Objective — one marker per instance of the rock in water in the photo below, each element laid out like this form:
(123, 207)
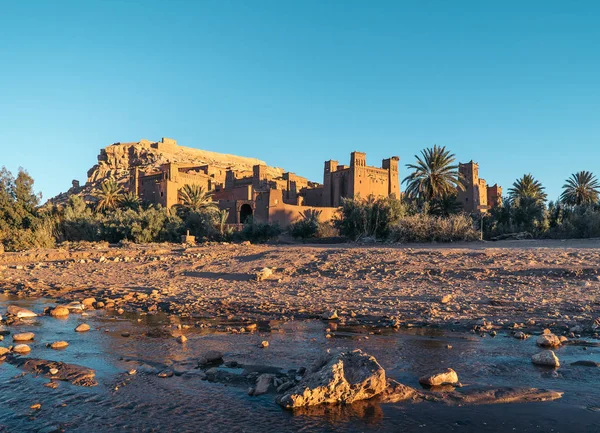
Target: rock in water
(396, 392)
(495, 396)
(23, 336)
(59, 345)
(4, 351)
(20, 312)
(88, 303)
(210, 357)
(584, 363)
(262, 384)
(73, 373)
(342, 377)
(21, 348)
(59, 312)
(548, 340)
(447, 377)
(84, 327)
(75, 306)
(546, 358)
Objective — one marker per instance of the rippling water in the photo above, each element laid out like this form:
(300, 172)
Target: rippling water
(183, 403)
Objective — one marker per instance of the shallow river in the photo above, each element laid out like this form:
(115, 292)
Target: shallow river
(184, 402)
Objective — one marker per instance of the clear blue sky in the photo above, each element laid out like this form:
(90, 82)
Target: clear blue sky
(513, 85)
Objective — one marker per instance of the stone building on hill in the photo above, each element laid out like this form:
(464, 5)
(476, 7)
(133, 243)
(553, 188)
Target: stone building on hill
(477, 196)
(263, 194)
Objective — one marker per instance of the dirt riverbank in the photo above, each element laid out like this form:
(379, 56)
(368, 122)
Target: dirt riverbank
(550, 283)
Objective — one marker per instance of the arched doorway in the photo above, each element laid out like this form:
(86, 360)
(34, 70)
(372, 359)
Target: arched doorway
(245, 212)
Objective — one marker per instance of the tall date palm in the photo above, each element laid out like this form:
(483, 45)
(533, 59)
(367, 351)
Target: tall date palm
(580, 189)
(527, 187)
(434, 176)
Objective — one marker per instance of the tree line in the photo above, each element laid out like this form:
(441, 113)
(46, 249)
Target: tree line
(435, 181)
(113, 215)
(429, 210)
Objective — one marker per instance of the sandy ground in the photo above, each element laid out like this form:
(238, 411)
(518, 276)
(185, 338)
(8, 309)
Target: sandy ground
(555, 283)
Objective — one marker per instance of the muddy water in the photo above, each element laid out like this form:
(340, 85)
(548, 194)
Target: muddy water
(184, 402)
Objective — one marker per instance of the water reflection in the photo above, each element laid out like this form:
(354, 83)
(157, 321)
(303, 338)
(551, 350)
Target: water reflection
(186, 403)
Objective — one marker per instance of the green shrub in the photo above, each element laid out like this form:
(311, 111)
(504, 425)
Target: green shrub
(259, 232)
(523, 215)
(201, 223)
(577, 222)
(368, 218)
(307, 226)
(428, 228)
(153, 224)
(77, 222)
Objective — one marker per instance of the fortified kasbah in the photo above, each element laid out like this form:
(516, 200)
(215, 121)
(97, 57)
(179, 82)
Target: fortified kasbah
(157, 170)
(264, 194)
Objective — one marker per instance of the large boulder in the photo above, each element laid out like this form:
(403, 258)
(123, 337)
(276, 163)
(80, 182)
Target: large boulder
(342, 377)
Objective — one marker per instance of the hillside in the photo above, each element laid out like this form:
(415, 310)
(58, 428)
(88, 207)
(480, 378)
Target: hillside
(117, 160)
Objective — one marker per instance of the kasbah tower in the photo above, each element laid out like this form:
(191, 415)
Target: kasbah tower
(359, 179)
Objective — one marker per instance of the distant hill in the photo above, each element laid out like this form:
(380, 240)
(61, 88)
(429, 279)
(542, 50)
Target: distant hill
(118, 159)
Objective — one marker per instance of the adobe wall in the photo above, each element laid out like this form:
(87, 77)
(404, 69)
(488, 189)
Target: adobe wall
(286, 214)
(494, 195)
(238, 193)
(368, 181)
(313, 196)
(271, 206)
(168, 145)
(482, 193)
(153, 188)
(233, 207)
(163, 187)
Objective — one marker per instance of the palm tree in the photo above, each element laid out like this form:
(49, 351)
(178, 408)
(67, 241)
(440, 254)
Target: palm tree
(435, 175)
(580, 189)
(130, 200)
(195, 198)
(527, 188)
(109, 195)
